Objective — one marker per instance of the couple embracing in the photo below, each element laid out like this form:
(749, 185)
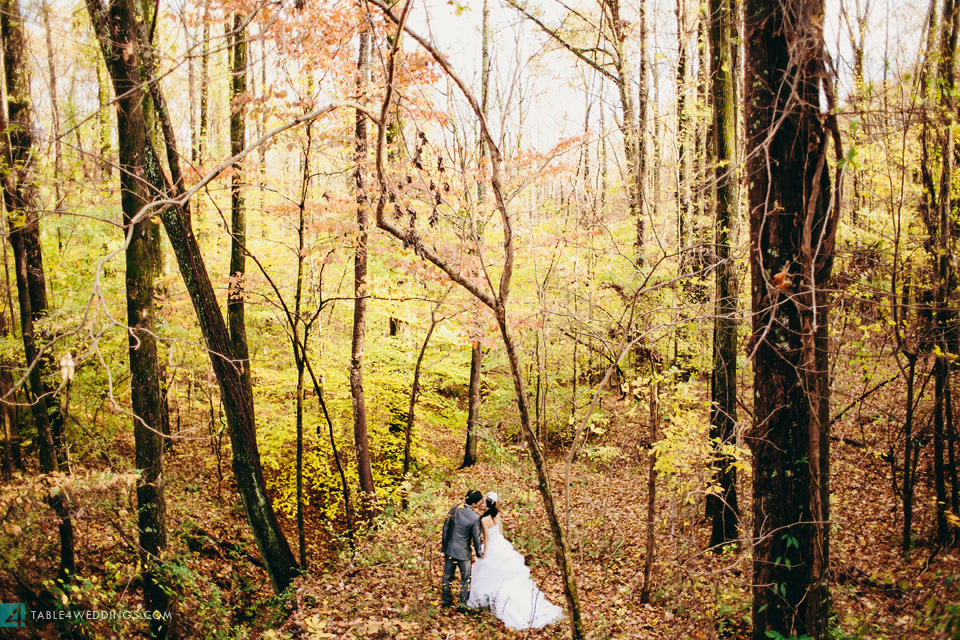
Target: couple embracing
(500, 578)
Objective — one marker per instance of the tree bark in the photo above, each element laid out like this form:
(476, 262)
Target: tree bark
(473, 407)
(683, 152)
(951, 436)
(199, 153)
(476, 349)
(944, 252)
(103, 123)
(141, 262)
(12, 455)
(909, 473)
(368, 491)
(54, 105)
(792, 232)
(650, 547)
(723, 507)
(236, 290)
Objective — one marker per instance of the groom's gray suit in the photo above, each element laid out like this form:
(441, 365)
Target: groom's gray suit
(461, 527)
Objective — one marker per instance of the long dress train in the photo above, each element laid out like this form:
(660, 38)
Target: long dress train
(501, 581)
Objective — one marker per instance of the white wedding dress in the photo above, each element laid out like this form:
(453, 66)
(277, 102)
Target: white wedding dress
(501, 581)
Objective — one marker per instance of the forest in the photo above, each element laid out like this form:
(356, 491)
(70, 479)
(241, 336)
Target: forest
(284, 281)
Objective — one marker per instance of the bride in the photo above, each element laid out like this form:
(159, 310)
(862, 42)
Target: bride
(501, 579)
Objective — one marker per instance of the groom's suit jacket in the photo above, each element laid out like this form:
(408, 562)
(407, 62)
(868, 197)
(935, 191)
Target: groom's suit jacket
(460, 528)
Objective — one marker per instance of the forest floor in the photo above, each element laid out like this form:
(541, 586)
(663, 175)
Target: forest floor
(389, 586)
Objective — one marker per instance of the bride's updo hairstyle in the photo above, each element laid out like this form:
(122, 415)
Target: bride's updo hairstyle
(492, 501)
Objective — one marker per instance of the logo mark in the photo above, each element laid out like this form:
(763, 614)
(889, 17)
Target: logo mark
(13, 614)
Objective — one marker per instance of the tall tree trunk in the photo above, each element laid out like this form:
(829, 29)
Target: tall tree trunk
(473, 407)
(704, 184)
(650, 549)
(103, 122)
(199, 153)
(476, 349)
(643, 205)
(300, 358)
(54, 106)
(944, 246)
(141, 263)
(723, 507)
(261, 128)
(951, 448)
(792, 231)
(235, 393)
(909, 470)
(632, 139)
(12, 455)
(236, 291)
(9, 401)
(20, 200)
(368, 495)
(191, 43)
(683, 153)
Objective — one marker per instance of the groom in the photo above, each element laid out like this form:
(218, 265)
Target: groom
(460, 528)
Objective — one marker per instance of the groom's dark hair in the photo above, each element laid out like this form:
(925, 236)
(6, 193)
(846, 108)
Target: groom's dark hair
(473, 497)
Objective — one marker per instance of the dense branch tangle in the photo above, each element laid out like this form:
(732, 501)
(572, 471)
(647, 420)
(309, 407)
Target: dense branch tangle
(609, 57)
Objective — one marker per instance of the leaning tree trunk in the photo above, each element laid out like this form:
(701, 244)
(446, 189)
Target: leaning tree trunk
(236, 394)
(20, 199)
(415, 392)
(722, 507)
(792, 234)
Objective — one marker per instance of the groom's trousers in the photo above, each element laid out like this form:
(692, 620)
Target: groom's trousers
(465, 567)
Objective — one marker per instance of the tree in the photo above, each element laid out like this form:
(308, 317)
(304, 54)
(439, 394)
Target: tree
(476, 348)
(937, 213)
(684, 122)
(238, 218)
(368, 492)
(142, 261)
(723, 507)
(792, 237)
(200, 151)
(54, 101)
